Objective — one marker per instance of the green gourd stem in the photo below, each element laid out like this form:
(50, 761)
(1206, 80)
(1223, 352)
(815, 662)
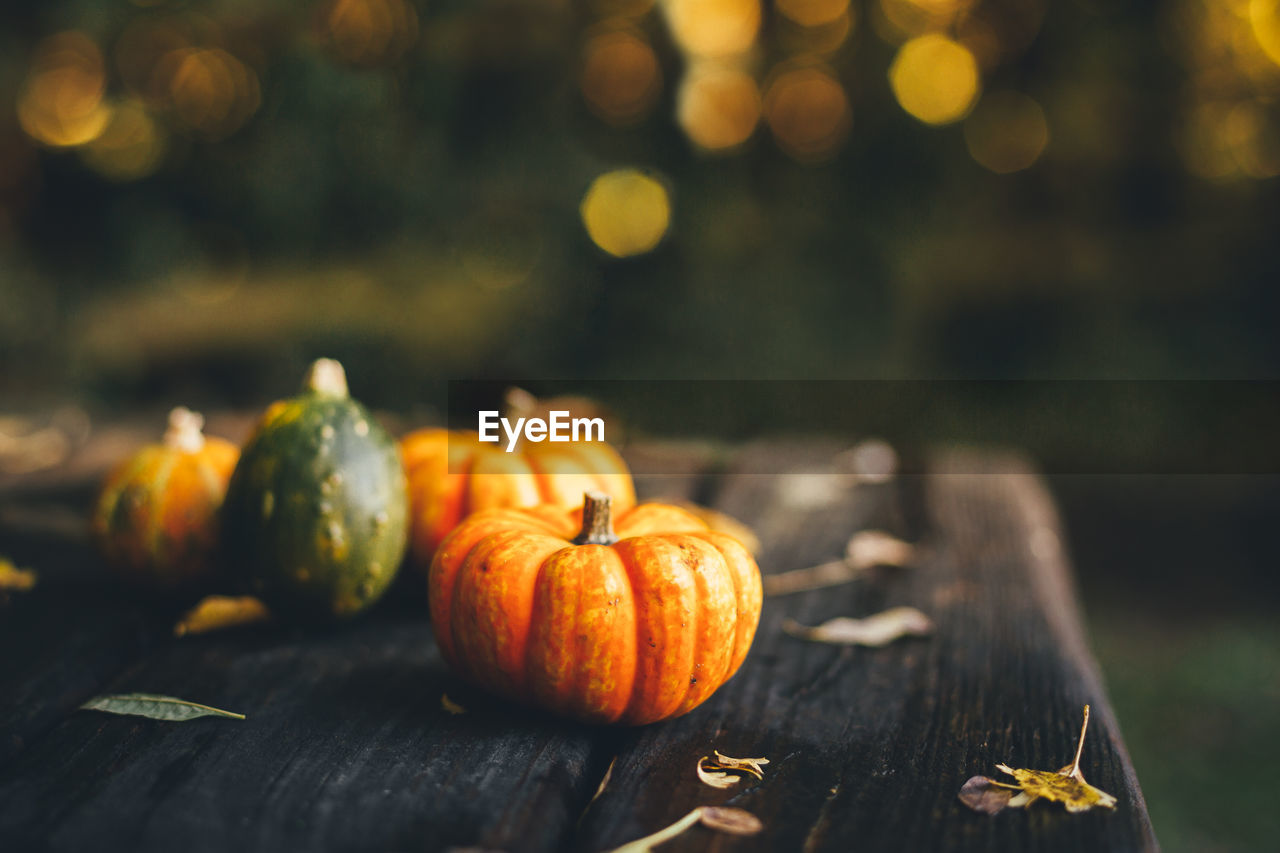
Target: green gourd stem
(184, 431)
(326, 378)
(597, 520)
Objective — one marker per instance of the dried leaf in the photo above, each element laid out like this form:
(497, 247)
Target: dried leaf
(716, 778)
(1066, 786)
(747, 765)
(155, 707)
(731, 820)
(721, 818)
(725, 523)
(864, 550)
(986, 795)
(14, 579)
(451, 706)
(216, 612)
(878, 630)
(868, 548)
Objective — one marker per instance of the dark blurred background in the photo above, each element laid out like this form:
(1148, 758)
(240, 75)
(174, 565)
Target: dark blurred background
(196, 198)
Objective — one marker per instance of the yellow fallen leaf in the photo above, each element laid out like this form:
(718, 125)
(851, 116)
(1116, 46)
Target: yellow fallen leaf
(216, 612)
(451, 706)
(14, 579)
(1066, 786)
(878, 630)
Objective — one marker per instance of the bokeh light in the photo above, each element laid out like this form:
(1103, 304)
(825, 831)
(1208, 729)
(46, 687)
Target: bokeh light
(61, 103)
(819, 39)
(131, 146)
(808, 113)
(714, 28)
(626, 212)
(1006, 132)
(1264, 18)
(812, 13)
(718, 106)
(620, 78)
(900, 19)
(140, 52)
(935, 79)
(369, 33)
(211, 92)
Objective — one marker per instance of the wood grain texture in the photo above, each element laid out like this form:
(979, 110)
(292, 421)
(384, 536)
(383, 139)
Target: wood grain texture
(347, 747)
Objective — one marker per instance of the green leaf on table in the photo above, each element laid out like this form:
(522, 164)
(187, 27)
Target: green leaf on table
(155, 707)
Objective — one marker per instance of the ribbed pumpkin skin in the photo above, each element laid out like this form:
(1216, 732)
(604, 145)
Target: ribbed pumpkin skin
(484, 476)
(316, 516)
(630, 633)
(155, 521)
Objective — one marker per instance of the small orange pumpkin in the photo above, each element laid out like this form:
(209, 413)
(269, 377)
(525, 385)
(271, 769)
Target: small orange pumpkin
(628, 627)
(453, 474)
(155, 521)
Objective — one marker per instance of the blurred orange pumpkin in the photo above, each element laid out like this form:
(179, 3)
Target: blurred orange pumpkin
(453, 474)
(628, 627)
(155, 521)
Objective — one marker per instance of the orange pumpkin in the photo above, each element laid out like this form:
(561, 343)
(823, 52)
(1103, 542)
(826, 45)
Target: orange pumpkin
(155, 521)
(628, 627)
(453, 474)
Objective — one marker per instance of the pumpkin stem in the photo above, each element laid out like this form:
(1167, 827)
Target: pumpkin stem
(326, 378)
(184, 430)
(597, 520)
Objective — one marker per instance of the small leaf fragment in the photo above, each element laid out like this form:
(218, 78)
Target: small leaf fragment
(14, 579)
(712, 771)
(217, 612)
(864, 550)
(721, 818)
(986, 795)
(873, 631)
(155, 707)
(868, 548)
(716, 778)
(451, 706)
(731, 820)
(747, 765)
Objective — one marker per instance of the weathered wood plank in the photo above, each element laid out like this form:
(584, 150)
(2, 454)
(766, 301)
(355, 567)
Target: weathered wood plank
(870, 747)
(347, 746)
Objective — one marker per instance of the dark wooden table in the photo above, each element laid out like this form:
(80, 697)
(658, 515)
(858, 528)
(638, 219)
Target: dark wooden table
(347, 746)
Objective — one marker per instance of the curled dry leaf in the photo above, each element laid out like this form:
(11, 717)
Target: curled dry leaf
(451, 706)
(217, 612)
(864, 550)
(155, 707)
(878, 630)
(747, 765)
(1066, 786)
(14, 579)
(716, 778)
(720, 818)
